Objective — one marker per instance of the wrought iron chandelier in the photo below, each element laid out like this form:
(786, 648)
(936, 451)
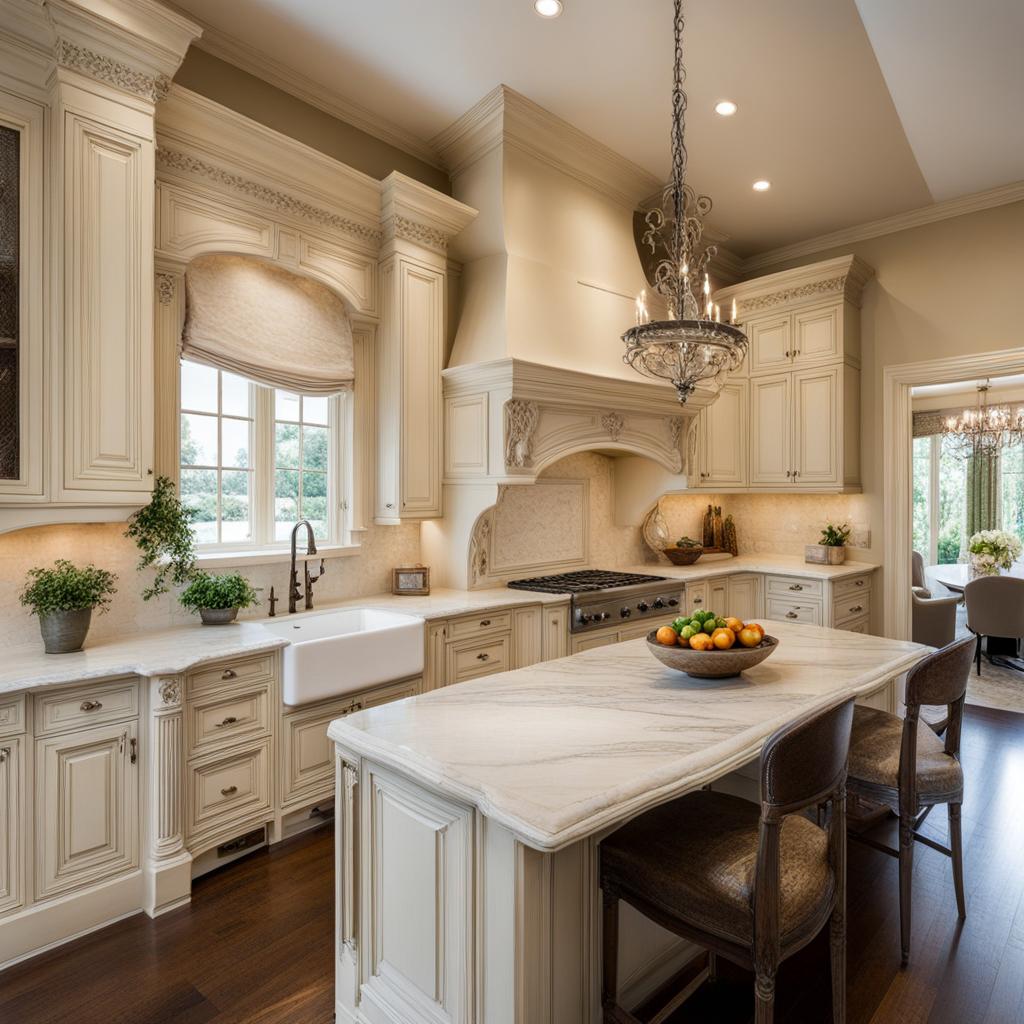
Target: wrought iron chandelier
(693, 344)
(986, 429)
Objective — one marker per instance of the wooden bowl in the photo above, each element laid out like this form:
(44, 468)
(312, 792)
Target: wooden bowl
(711, 664)
(683, 556)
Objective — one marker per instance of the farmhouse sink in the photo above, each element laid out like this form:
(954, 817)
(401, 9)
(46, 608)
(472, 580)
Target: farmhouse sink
(333, 653)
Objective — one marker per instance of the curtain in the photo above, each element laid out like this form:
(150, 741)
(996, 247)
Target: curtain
(982, 493)
(267, 324)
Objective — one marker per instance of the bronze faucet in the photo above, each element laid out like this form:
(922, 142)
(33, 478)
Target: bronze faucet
(294, 594)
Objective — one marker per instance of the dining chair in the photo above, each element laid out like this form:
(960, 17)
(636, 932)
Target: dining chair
(995, 607)
(917, 577)
(902, 764)
(933, 619)
(753, 883)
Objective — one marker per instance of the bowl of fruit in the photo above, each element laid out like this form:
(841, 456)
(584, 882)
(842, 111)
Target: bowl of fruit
(708, 646)
(686, 552)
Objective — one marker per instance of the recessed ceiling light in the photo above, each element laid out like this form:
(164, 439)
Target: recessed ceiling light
(548, 8)
(726, 108)
(761, 185)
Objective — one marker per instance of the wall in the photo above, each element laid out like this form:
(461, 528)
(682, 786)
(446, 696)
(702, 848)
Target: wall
(224, 83)
(104, 544)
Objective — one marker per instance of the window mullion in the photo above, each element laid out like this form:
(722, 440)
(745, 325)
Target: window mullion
(263, 465)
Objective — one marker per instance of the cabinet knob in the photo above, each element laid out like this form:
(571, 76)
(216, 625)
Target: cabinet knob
(485, 622)
(787, 353)
(230, 720)
(5, 752)
(229, 791)
(229, 673)
(857, 608)
(859, 583)
(90, 705)
(390, 504)
(483, 656)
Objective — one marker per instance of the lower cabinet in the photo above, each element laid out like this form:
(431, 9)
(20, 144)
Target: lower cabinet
(87, 818)
(12, 817)
(227, 791)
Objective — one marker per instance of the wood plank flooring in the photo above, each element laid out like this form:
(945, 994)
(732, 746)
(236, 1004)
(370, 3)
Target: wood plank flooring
(255, 946)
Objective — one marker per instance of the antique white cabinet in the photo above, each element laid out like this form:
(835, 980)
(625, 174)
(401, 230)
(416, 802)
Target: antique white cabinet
(723, 430)
(12, 805)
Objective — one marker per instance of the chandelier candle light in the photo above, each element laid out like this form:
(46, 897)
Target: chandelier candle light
(693, 344)
(986, 429)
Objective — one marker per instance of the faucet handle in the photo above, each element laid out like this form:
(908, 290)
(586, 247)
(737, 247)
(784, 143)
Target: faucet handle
(273, 603)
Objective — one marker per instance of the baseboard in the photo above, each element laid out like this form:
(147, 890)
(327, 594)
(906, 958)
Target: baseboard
(645, 981)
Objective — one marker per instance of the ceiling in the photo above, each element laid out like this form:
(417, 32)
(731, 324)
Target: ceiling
(1012, 382)
(816, 115)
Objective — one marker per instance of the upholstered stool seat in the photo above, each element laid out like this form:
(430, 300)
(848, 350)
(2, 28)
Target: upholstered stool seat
(695, 857)
(875, 745)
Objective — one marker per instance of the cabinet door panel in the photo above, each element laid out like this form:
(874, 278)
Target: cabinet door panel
(744, 597)
(86, 807)
(770, 344)
(771, 430)
(724, 438)
(12, 819)
(555, 635)
(817, 336)
(816, 417)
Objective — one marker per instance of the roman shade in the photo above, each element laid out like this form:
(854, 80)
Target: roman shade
(265, 323)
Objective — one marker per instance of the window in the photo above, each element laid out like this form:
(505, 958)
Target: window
(254, 460)
(1012, 489)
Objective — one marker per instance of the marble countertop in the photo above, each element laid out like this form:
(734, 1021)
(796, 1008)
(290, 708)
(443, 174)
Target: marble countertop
(566, 748)
(776, 565)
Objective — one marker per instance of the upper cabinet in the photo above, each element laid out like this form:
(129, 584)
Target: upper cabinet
(795, 424)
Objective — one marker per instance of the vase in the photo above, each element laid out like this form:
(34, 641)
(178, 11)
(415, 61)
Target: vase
(64, 632)
(217, 616)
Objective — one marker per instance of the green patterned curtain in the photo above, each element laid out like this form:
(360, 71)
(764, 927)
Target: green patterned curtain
(982, 493)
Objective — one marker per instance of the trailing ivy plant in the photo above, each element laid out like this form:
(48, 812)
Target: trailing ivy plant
(162, 530)
(209, 591)
(835, 536)
(67, 588)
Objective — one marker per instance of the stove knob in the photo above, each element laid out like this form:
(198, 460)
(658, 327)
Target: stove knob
(658, 603)
(643, 606)
(601, 616)
(672, 602)
(625, 612)
(584, 618)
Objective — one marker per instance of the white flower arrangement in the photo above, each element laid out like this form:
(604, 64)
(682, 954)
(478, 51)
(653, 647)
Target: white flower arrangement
(992, 550)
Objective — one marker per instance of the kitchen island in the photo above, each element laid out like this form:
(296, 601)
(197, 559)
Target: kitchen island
(468, 819)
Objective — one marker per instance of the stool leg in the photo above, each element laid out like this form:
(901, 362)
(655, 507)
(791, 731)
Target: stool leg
(712, 966)
(610, 959)
(957, 847)
(764, 995)
(837, 953)
(906, 876)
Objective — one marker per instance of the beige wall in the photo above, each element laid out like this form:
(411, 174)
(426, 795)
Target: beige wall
(939, 290)
(238, 90)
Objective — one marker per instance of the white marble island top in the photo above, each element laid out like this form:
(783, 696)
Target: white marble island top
(772, 565)
(566, 748)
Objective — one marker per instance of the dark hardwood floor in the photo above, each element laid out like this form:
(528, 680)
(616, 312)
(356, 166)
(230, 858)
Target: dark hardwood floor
(254, 946)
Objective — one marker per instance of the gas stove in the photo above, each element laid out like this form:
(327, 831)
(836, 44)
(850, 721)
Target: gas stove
(601, 598)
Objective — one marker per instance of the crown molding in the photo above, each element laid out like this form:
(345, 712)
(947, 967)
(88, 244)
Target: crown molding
(843, 276)
(977, 201)
(286, 78)
(417, 213)
(505, 116)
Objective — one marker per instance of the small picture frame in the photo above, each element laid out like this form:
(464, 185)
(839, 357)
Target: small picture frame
(412, 581)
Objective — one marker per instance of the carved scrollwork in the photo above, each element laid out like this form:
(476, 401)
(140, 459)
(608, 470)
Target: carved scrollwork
(833, 286)
(613, 423)
(113, 72)
(674, 426)
(165, 285)
(480, 548)
(422, 234)
(521, 418)
(170, 692)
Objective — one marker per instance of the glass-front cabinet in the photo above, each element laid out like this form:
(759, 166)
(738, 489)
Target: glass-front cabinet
(10, 208)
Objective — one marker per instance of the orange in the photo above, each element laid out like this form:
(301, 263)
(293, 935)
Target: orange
(734, 624)
(667, 636)
(723, 638)
(700, 642)
(757, 626)
(749, 636)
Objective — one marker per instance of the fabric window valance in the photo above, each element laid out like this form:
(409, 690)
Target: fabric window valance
(930, 422)
(265, 323)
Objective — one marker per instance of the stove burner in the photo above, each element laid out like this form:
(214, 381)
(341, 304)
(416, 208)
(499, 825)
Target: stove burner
(584, 581)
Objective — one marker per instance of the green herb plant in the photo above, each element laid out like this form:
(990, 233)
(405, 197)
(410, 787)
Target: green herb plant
(67, 588)
(835, 536)
(209, 591)
(687, 542)
(162, 530)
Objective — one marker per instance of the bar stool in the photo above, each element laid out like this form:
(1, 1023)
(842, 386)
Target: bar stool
(751, 883)
(903, 765)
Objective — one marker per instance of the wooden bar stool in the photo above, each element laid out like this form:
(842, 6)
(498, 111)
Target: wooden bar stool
(751, 883)
(904, 765)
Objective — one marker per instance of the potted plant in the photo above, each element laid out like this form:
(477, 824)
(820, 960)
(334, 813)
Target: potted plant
(63, 597)
(217, 598)
(992, 551)
(831, 549)
(162, 530)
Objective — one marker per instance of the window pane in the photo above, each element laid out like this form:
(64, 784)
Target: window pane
(198, 440)
(234, 395)
(314, 448)
(952, 502)
(286, 406)
(235, 524)
(922, 495)
(286, 502)
(314, 502)
(235, 443)
(286, 446)
(1013, 490)
(198, 387)
(199, 491)
(314, 410)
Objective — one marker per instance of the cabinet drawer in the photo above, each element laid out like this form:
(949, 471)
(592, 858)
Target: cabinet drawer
(853, 606)
(851, 585)
(234, 671)
(227, 789)
(588, 643)
(695, 598)
(86, 706)
(479, 625)
(12, 715)
(808, 612)
(219, 721)
(470, 659)
(856, 625)
(794, 587)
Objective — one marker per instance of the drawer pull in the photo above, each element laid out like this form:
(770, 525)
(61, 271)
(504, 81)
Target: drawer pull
(230, 720)
(229, 791)
(229, 673)
(796, 586)
(133, 747)
(5, 752)
(857, 608)
(697, 600)
(792, 615)
(484, 622)
(483, 656)
(858, 583)
(90, 705)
